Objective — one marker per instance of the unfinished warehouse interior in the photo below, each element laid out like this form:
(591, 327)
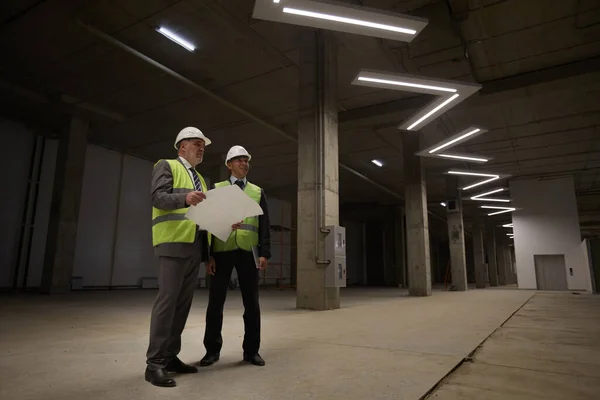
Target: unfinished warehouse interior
(300, 199)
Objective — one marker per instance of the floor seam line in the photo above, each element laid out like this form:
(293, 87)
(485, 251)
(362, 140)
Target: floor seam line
(469, 357)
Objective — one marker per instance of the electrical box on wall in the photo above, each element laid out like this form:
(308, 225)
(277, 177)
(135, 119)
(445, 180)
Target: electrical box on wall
(335, 252)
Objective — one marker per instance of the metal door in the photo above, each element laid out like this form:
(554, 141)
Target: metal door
(550, 272)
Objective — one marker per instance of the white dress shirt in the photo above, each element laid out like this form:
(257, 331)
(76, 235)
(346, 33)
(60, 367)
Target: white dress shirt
(187, 166)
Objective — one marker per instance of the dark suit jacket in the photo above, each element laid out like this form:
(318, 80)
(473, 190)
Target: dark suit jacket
(163, 198)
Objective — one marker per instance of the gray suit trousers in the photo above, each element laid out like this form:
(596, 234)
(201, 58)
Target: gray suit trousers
(177, 279)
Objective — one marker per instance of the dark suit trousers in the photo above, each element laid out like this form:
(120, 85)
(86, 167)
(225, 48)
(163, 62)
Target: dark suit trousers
(177, 279)
(243, 261)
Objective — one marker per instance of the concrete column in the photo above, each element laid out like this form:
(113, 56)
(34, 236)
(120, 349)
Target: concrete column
(417, 224)
(456, 236)
(399, 248)
(479, 255)
(492, 257)
(318, 181)
(64, 215)
(502, 262)
(510, 278)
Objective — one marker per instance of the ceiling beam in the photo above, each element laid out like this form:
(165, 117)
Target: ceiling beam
(261, 121)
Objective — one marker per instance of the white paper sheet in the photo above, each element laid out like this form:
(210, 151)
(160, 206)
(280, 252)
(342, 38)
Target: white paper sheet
(222, 208)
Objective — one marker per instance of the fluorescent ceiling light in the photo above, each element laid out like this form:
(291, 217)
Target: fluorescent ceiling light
(436, 109)
(491, 177)
(470, 173)
(341, 17)
(458, 139)
(377, 162)
(449, 93)
(481, 197)
(328, 17)
(177, 39)
(452, 141)
(481, 183)
(443, 204)
(510, 234)
(492, 199)
(463, 157)
(503, 209)
(407, 84)
(507, 225)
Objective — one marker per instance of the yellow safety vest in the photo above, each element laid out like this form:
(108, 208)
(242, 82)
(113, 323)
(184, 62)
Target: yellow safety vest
(173, 226)
(247, 235)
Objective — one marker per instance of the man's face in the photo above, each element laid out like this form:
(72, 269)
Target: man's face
(192, 150)
(239, 167)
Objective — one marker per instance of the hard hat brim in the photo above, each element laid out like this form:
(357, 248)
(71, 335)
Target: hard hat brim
(206, 140)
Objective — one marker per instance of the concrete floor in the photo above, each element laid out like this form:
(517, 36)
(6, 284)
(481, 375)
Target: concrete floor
(380, 345)
(550, 349)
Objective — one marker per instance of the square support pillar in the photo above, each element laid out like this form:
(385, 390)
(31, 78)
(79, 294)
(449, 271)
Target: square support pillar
(417, 224)
(456, 238)
(64, 217)
(502, 262)
(399, 247)
(491, 255)
(318, 170)
(479, 255)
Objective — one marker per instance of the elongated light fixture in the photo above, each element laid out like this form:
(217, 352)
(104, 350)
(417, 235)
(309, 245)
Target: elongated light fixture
(430, 113)
(466, 158)
(175, 38)
(481, 197)
(503, 209)
(458, 139)
(491, 177)
(377, 162)
(351, 21)
(507, 225)
(406, 84)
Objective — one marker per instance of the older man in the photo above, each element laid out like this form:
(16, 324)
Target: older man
(180, 247)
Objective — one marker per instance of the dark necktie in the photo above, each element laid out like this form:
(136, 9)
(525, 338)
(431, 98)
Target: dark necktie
(240, 183)
(197, 184)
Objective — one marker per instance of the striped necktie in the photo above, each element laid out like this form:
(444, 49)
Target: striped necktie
(197, 184)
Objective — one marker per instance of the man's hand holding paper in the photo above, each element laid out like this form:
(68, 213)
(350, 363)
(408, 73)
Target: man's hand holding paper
(222, 209)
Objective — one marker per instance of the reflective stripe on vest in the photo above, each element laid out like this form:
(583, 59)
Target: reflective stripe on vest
(246, 236)
(172, 226)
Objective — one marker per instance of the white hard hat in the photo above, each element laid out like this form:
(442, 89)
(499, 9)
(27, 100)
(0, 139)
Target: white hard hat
(237, 151)
(191, 133)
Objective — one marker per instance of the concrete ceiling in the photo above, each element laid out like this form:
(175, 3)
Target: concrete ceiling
(538, 62)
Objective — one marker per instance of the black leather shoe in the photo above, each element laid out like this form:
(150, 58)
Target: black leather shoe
(254, 359)
(209, 359)
(159, 378)
(179, 367)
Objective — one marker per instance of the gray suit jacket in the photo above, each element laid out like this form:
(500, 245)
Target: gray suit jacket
(164, 198)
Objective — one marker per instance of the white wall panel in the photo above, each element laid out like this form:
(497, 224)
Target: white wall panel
(134, 255)
(42, 214)
(15, 158)
(97, 216)
(546, 223)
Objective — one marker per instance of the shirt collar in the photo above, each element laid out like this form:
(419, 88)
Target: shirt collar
(185, 162)
(232, 179)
